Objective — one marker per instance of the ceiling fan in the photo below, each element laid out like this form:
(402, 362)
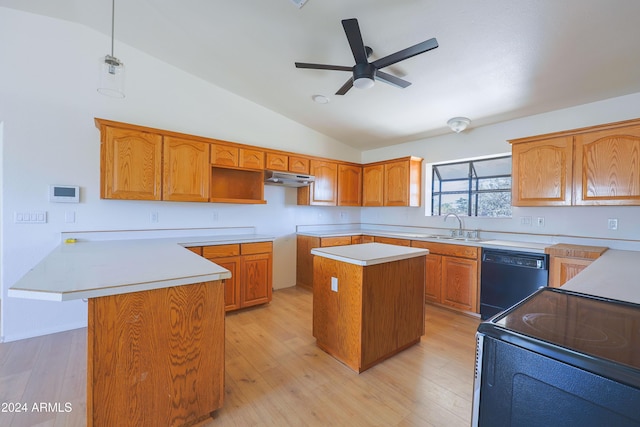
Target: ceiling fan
(365, 72)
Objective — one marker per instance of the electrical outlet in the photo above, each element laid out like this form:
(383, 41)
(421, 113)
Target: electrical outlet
(343, 215)
(215, 216)
(612, 223)
(540, 221)
(70, 217)
(334, 284)
(153, 217)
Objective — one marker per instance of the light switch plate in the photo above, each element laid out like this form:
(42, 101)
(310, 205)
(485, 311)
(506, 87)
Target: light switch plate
(334, 284)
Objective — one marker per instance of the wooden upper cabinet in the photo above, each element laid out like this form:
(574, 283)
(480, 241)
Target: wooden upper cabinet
(607, 167)
(276, 162)
(373, 185)
(251, 159)
(224, 155)
(323, 191)
(186, 170)
(541, 172)
(402, 182)
(299, 164)
(349, 185)
(598, 165)
(130, 164)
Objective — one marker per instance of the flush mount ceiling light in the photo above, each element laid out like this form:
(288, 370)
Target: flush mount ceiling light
(111, 68)
(458, 124)
(320, 99)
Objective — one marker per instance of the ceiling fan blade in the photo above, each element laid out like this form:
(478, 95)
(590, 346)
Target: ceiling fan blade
(392, 80)
(323, 66)
(406, 53)
(352, 30)
(345, 87)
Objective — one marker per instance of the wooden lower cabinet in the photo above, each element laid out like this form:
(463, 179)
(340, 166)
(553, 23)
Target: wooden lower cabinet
(566, 261)
(304, 259)
(251, 267)
(452, 275)
(156, 358)
(460, 283)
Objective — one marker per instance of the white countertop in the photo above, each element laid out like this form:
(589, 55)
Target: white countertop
(369, 253)
(89, 269)
(615, 274)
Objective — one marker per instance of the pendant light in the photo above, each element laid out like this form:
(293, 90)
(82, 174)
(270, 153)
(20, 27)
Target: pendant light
(111, 68)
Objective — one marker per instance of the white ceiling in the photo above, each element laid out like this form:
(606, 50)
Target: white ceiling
(497, 60)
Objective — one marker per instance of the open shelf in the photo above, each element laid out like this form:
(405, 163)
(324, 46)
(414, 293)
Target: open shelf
(233, 185)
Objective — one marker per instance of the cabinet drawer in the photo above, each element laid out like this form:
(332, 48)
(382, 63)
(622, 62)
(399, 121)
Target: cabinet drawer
(256, 248)
(196, 250)
(335, 241)
(460, 251)
(221, 251)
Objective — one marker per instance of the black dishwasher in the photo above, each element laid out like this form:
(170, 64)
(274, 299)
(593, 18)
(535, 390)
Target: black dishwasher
(507, 277)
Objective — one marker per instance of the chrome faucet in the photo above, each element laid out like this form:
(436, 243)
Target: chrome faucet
(460, 232)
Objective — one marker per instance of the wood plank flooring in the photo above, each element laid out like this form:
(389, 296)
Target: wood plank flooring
(275, 374)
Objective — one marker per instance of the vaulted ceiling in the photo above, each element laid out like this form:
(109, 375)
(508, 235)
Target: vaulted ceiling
(497, 59)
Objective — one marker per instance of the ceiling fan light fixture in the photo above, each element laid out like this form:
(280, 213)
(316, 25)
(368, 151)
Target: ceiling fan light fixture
(364, 75)
(363, 83)
(458, 124)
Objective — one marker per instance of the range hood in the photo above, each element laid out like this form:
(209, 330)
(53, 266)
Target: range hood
(287, 179)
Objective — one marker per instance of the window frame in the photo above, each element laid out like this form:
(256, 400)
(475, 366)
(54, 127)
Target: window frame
(471, 192)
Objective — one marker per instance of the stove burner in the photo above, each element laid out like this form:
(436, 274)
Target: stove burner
(568, 330)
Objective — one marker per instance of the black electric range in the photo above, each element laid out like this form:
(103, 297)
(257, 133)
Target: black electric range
(559, 358)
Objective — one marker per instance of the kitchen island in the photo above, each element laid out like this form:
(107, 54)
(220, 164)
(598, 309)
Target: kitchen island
(155, 351)
(368, 301)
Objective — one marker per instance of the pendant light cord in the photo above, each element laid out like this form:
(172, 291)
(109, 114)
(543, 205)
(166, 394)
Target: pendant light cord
(113, 20)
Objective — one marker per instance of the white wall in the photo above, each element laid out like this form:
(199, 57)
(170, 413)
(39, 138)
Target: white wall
(48, 101)
(482, 141)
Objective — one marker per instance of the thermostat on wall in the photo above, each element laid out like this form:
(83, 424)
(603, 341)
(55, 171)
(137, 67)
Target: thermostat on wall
(64, 193)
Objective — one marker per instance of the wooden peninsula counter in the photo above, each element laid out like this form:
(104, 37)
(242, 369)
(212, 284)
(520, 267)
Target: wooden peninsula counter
(155, 352)
(368, 301)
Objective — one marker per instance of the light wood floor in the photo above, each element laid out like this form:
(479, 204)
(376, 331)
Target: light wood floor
(275, 374)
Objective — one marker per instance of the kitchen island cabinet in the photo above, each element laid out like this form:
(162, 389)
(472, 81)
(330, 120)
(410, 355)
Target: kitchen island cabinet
(566, 261)
(368, 301)
(155, 330)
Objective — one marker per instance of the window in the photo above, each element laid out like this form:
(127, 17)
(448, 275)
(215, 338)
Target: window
(474, 188)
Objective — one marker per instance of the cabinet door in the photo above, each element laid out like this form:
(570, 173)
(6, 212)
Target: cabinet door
(392, 241)
(323, 191)
(541, 172)
(433, 280)
(299, 164)
(231, 285)
(224, 155)
(131, 164)
(186, 166)
(349, 185)
(277, 162)
(326, 242)
(255, 280)
(251, 159)
(373, 185)
(396, 183)
(460, 283)
(563, 269)
(607, 167)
